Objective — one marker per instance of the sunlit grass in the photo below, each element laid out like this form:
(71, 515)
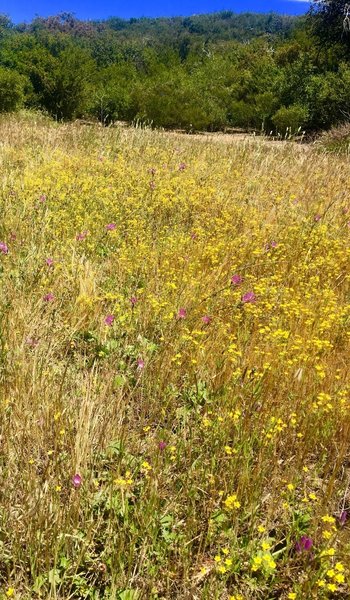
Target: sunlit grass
(174, 366)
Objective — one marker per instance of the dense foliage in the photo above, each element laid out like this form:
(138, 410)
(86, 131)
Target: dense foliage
(213, 71)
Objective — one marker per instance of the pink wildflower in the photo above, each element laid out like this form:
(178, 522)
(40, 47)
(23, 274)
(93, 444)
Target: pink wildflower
(109, 320)
(304, 544)
(206, 319)
(4, 248)
(273, 244)
(236, 279)
(249, 297)
(111, 227)
(77, 480)
(343, 517)
(48, 297)
(32, 342)
(49, 262)
(81, 236)
(182, 313)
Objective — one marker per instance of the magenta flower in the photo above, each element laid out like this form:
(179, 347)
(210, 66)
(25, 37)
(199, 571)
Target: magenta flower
(236, 279)
(32, 342)
(42, 198)
(48, 297)
(304, 545)
(49, 262)
(162, 445)
(133, 301)
(111, 227)
(4, 248)
(343, 517)
(81, 236)
(194, 235)
(206, 319)
(273, 244)
(140, 364)
(182, 166)
(77, 480)
(249, 297)
(109, 320)
(182, 313)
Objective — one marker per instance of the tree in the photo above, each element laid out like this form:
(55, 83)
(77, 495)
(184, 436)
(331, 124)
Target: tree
(330, 22)
(290, 119)
(12, 87)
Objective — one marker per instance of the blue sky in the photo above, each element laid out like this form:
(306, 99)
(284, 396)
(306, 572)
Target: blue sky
(25, 10)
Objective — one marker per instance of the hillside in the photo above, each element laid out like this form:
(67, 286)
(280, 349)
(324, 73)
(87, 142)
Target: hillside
(174, 393)
(266, 73)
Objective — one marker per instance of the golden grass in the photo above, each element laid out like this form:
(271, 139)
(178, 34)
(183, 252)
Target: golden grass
(206, 421)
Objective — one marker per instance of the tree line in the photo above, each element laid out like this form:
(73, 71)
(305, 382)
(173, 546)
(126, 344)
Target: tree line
(207, 72)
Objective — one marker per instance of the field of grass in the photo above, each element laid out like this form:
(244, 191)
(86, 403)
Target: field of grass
(174, 357)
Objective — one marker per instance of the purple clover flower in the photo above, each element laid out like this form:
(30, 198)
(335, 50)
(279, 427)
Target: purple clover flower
(249, 298)
(4, 248)
(81, 236)
(111, 227)
(236, 279)
(206, 319)
(48, 297)
(32, 342)
(109, 320)
(182, 313)
(304, 544)
(343, 517)
(77, 480)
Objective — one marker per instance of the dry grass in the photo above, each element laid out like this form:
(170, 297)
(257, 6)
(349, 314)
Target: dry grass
(210, 454)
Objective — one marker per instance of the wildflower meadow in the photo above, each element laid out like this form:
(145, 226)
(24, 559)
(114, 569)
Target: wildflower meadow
(174, 361)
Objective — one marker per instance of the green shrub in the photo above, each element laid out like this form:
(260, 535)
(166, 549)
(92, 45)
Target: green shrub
(290, 119)
(11, 90)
